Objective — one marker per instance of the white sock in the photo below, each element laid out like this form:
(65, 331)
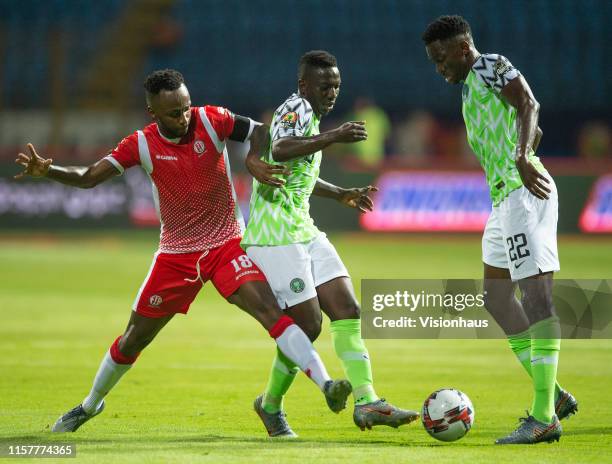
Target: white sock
(294, 343)
(107, 377)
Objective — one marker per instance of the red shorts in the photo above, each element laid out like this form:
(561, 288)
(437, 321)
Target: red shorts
(174, 280)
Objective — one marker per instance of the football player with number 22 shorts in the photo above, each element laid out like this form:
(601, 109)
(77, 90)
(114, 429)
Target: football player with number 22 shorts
(519, 244)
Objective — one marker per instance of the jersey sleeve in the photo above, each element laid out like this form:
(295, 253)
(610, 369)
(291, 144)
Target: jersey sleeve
(495, 71)
(222, 120)
(243, 128)
(292, 119)
(125, 155)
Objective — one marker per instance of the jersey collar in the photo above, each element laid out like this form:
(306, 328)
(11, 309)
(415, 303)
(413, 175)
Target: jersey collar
(174, 141)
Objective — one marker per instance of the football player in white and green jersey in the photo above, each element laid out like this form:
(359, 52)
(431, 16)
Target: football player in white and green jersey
(303, 268)
(520, 239)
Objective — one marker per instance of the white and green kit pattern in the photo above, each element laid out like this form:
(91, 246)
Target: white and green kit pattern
(491, 124)
(281, 215)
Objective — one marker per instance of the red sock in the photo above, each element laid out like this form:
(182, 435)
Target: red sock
(118, 356)
(280, 326)
(294, 344)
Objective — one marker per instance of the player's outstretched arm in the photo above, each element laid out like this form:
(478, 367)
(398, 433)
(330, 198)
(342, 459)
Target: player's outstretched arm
(352, 197)
(287, 148)
(519, 95)
(264, 172)
(76, 176)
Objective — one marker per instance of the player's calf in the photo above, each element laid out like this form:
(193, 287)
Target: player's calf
(310, 325)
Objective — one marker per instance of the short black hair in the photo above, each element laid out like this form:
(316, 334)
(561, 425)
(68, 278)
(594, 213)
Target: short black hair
(446, 27)
(163, 79)
(316, 59)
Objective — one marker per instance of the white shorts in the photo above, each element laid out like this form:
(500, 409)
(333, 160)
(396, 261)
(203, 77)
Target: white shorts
(521, 234)
(295, 271)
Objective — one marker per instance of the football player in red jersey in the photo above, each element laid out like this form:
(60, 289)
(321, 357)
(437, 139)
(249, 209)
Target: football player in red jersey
(183, 152)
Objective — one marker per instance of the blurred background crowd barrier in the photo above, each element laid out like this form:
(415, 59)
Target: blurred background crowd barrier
(71, 76)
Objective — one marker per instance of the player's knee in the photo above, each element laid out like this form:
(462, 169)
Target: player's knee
(312, 329)
(354, 310)
(267, 313)
(349, 310)
(345, 310)
(127, 347)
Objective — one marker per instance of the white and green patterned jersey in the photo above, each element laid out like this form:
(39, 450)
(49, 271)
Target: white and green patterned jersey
(490, 122)
(281, 215)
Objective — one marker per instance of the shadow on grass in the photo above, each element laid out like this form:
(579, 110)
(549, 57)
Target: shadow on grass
(323, 442)
(586, 431)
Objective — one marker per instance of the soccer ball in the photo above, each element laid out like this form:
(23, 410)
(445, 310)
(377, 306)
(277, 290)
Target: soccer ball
(447, 414)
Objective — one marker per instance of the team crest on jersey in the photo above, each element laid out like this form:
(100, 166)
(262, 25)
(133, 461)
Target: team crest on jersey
(501, 67)
(199, 147)
(289, 120)
(155, 300)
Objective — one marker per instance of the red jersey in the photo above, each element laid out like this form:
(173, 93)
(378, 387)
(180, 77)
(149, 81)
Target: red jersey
(191, 180)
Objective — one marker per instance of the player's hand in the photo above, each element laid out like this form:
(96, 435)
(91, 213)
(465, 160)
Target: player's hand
(533, 180)
(358, 198)
(350, 132)
(265, 172)
(33, 164)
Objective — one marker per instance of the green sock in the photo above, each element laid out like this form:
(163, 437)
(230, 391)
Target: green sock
(521, 346)
(545, 346)
(281, 377)
(346, 337)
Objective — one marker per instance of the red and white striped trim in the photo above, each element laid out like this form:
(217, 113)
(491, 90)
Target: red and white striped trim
(146, 280)
(219, 145)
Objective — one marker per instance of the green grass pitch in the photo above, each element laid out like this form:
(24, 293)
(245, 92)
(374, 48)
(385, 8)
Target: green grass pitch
(189, 397)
